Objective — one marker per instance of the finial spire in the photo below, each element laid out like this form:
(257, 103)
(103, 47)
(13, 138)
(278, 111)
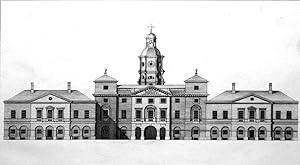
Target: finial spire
(151, 26)
(105, 71)
(196, 73)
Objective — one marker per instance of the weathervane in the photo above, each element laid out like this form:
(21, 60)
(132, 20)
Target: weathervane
(196, 72)
(105, 71)
(151, 26)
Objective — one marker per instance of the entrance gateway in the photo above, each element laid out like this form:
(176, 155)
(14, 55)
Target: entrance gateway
(150, 133)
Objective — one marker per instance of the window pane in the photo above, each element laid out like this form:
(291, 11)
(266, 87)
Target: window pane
(251, 114)
(225, 114)
(262, 114)
(177, 100)
(138, 114)
(39, 114)
(196, 114)
(23, 114)
(241, 115)
(123, 115)
(49, 114)
(124, 100)
(13, 114)
(177, 114)
(60, 114)
(75, 114)
(278, 114)
(288, 114)
(163, 114)
(105, 114)
(215, 115)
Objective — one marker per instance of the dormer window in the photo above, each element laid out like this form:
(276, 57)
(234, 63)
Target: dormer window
(105, 87)
(196, 87)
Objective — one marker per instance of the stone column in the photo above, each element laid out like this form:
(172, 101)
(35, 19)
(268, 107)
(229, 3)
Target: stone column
(167, 134)
(132, 137)
(157, 134)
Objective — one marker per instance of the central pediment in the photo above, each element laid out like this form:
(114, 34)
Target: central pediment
(151, 91)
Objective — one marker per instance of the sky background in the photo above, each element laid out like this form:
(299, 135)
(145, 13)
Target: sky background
(249, 43)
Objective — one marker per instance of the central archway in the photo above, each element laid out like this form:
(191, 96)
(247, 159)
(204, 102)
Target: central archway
(150, 133)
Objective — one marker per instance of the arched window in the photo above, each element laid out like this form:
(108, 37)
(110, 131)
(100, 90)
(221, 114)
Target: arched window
(23, 133)
(214, 133)
(12, 132)
(123, 133)
(225, 133)
(39, 133)
(277, 133)
(176, 133)
(150, 113)
(195, 133)
(195, 113)
(49, 133)
(240, 133)
(75, 132)
(86, 132)
(60, 132)
(288, 133)
(251, 133)
(262, 133)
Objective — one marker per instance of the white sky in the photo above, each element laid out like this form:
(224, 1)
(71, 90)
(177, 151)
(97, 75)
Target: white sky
(51, 43)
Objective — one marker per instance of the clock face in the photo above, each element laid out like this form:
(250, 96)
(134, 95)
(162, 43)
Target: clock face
(151, 63)
(150, 41)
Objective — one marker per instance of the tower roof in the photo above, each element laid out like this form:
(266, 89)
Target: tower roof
(151, 52)
(105, 78)
(196, 79)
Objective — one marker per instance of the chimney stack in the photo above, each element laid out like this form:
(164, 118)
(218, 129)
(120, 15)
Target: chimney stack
(69, 87)
(233, 88)
(270, 88)
(32, 87)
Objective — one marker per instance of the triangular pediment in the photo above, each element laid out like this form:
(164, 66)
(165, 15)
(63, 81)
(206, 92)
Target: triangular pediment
(50, 98)
(252, 98)
(151, 91)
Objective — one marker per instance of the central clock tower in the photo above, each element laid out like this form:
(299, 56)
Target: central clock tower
(151, 65)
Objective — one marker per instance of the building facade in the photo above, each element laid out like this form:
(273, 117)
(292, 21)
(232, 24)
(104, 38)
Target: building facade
(152, 110)
(49, 114)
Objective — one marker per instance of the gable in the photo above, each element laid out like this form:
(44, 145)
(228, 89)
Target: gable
(252, 99)
(50, 98)
(151, 91)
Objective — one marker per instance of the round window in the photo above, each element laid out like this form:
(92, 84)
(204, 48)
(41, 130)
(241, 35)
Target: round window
(50, 98)
(251, 98)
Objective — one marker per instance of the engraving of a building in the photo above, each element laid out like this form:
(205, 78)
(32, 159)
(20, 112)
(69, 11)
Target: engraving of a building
(152, 109)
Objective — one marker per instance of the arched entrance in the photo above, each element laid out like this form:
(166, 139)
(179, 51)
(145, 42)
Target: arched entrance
(162, 133)
(150, 133)
(138, 133)
(105, 132)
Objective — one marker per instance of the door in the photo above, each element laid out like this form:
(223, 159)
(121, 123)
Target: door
(49, 134)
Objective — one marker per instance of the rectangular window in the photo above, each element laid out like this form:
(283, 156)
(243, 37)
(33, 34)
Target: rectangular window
(225, 114)
(124, 100)
(86, 114)
(278, 114)
(288, 115)
(75, 114)
(150, 115)
(105, 100)
(105, 87)
(215, 114)
(150, 101)
(262, 115)
(262, 132)
(39, 114)
(23, 115)
(12, 131)
(196, 87)
(13, 114)
(196, 114)
(163, 101)
(241, 115)
(163, 115)
(240, 132)
(139, 101)
(251, 115)
(196, 100)
(138, 114)
(176, 131)
(214, 132)
(123, 114)
(177, 114)
(105, 114)
(49, 115)
(23, 131)
(177, 100)
(75, 131)
(225, 132)
(60, 114)
(86, 131)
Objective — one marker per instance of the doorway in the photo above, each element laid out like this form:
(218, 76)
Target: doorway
(150, 133)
